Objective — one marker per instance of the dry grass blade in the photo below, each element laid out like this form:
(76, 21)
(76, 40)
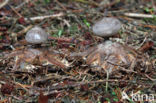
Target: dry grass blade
(4, 3)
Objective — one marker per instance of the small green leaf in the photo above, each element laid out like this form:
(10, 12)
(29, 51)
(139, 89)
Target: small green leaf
(108, 99)
(0, 37)
(60, 32)
(113, 93)
(47, 1)
(86, 23)
(55, 35)
(115, 99)
(147, 9)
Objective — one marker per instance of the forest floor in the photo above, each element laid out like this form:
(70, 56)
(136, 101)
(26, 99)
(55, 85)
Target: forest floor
(69, 25)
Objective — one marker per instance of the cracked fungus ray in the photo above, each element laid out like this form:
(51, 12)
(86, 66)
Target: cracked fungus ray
(31, 55)
(110, 56)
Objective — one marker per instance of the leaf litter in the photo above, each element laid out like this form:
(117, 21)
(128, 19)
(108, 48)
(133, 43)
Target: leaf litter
(72, 64)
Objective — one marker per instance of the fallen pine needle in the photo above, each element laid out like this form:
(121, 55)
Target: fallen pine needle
(138, 15)
(44, 17)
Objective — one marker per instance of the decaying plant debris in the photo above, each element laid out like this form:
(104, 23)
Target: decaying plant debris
(71, 64)
(30, 55)
(110, 56)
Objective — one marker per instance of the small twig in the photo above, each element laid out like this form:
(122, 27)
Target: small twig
(17, 98)
(60, 5)
(150, 77)
(23, 86)
(139, 15)
(65, 21)
(44, 17)
(142, 43)
(149, 26)
(67, 40)
(107, 81)
(77, 84)
(121, 67)
(4, 3)
(23, 31)
(53, 76)
(88, 2)
(2, 82)
(15, 11)
(23, 3)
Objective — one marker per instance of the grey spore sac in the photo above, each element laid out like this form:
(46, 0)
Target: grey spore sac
(106, 27)
(36, 35)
